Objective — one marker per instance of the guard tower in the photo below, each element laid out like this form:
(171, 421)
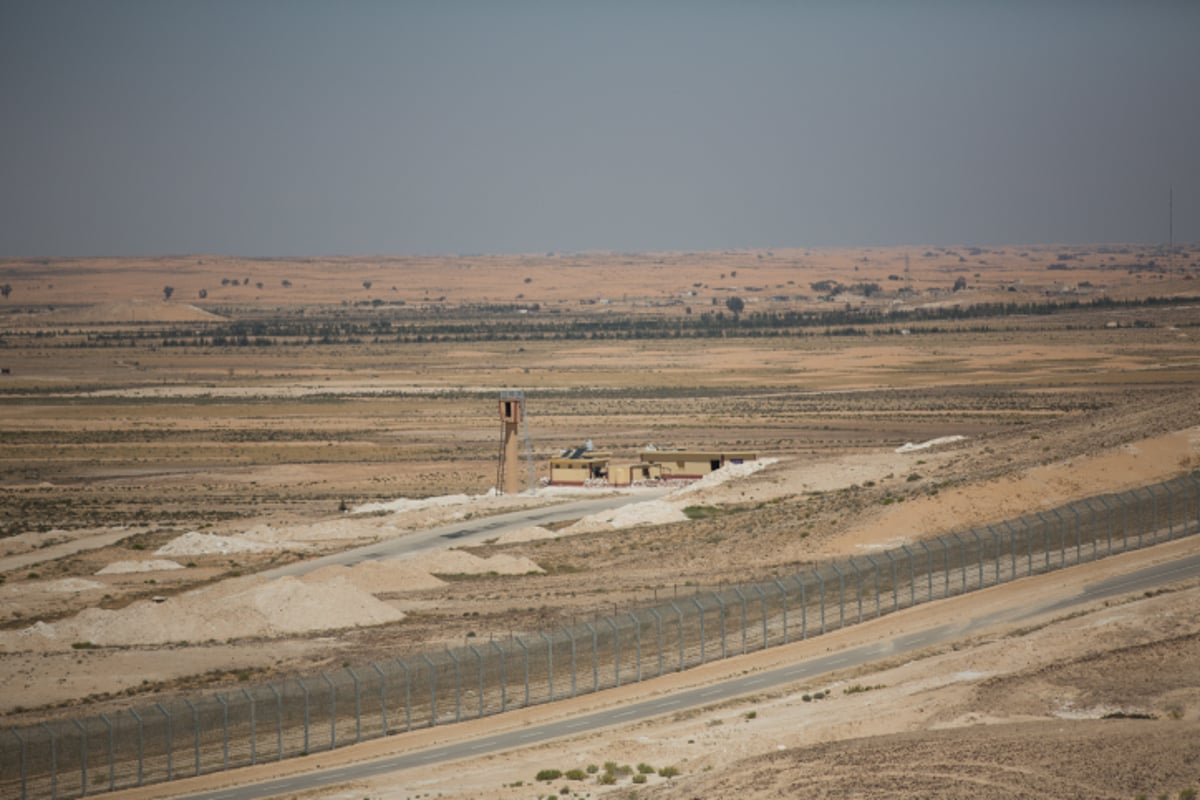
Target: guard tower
(513, 428)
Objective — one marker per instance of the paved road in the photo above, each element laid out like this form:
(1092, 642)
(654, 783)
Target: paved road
(472, 532)
(1140, 580)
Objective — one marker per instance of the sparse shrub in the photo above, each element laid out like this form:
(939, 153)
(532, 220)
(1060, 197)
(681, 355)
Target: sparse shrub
(575, 774)
(645, 769)
(592, 769)
(818, 695)
(606, 779)
(639, 778)
(668, 772)
(807, 698)
(548, 775)
(751, 714)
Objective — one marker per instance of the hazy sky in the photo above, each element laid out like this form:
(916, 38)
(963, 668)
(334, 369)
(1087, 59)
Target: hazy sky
(293, 128)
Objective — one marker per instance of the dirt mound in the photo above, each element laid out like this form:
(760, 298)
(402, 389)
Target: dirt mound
(242, 608)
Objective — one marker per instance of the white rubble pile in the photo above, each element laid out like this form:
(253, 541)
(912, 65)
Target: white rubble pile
(530, 534)
(403, 504)
(725, 474)
(152, 565)
(650, 512)
(195, 543)
(458, 562)
(909, 447)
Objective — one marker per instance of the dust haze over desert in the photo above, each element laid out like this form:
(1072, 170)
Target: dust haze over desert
(266, 270)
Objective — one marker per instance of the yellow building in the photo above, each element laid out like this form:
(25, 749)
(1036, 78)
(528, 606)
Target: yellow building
(691, 464)
(577, 467)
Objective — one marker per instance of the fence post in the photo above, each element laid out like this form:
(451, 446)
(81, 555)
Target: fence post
(742, 597)
(549, 662)
(83, 757)
(1153, 515)
(479, 663)
(1107, 521)
(803, 609)
(253, 728)
(895, 585)
(140, 770)
(1062, 535)
(841, 596)
(163, 711)
(858, 586)
(195, 736)
(357, 706)
(332, 711)
(616, 650)
(700, 608)
(762, 597)
(928, 566)
(21, 742)
(821, 580)
(721, 603)
(658, 635)
(996, 550)
(54, 762)
(679, 614)
(278, 722)
(304, 689)
(1125, 527)
(637, 634)
(595, 657)
(457, 685)
(112, 766)
(571, 636)
(1045, 539)
(783, 600)
(1074, 507)
(383, 726)
(979, 544)
(1170, 510)
(962, 557)
(945, 565)
(1196, 492)
(875, 575)
(503, 680)
(432, 690)
(524, 649)
(912, 576)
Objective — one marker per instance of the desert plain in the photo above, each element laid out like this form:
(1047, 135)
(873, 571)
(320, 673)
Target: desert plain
(172, 427)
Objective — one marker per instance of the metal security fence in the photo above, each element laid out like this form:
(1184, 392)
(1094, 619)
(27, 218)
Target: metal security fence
(191, 736)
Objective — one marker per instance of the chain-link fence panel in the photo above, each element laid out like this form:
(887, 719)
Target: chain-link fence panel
(337, 707)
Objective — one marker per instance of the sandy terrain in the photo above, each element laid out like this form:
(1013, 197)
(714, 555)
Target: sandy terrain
(156, 454)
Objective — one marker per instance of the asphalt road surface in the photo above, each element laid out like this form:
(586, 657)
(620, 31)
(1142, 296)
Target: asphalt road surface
(1140, 580)
(472, 532)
